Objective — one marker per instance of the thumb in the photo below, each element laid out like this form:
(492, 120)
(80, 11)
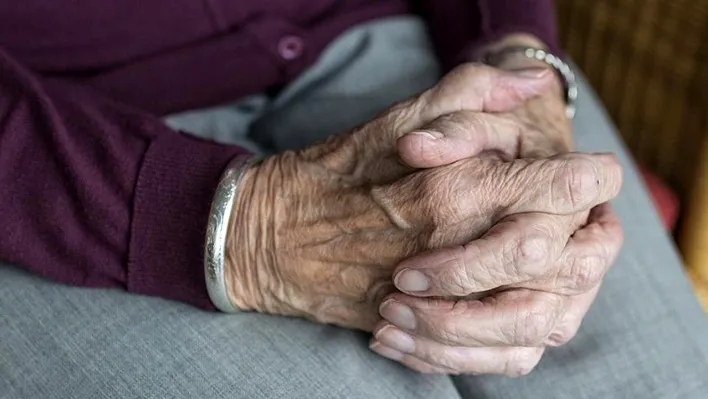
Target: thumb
(451, 130)
(482, 88)
(460, 135)
(469, 87)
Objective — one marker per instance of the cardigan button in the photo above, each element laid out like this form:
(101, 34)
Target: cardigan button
(290, 47)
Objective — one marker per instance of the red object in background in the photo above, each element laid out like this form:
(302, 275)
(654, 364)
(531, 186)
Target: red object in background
(665, 200)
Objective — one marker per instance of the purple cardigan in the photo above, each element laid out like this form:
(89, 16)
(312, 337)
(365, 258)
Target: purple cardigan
(96, 190)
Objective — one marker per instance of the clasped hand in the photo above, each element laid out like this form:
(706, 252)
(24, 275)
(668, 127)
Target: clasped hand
(425, 227)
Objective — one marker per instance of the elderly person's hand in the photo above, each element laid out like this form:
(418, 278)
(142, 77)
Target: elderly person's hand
(316, 233)
(526, 284)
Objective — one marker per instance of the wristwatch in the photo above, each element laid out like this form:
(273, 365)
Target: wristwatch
(570, 84)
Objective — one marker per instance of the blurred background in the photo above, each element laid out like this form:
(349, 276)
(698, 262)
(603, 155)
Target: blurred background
(648, 60)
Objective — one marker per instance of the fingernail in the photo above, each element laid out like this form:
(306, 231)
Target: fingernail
(398, 314)
(532, 73)
(385, 351)
(396, 339)
(428, 135)
(411, 280)
(607, 157)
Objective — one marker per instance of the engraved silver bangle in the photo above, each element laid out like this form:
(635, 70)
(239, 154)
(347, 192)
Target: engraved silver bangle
(561, 67)
(217, 229)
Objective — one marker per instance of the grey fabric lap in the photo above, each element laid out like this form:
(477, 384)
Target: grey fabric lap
(66, 342)
(644, 337)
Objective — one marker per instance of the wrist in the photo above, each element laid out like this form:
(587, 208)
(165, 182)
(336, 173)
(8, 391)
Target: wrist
(546, 113)
(516, 61)
(524, 52)
(247, 239)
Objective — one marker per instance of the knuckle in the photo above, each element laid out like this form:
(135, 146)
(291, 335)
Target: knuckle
(584, 272)
(533, 249)
(536, 319)
(527, 254)
(576, 184)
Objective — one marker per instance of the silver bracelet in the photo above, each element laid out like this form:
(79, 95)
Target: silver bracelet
(217, 229)
(561, 67)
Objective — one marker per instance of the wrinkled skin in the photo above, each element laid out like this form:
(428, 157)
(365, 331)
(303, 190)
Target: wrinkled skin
(543, 273)
(317, 233)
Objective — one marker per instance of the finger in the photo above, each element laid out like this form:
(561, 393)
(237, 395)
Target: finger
(587, 257)
(368, 152)
(593, 248)
(516, 317)
(520, 250)
(430, 356)
(568, 326)
(460, 135)
(531, 251)
(479, 87)
(563, 184)
(407, 360)
(469, 196)
(543, 122)
(547, 129)
(469, 87)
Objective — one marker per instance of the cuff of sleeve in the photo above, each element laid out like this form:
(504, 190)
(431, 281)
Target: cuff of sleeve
(173, 196)
(503, 17)
(471, 50)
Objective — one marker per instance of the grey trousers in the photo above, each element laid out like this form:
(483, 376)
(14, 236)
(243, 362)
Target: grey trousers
(645, 336)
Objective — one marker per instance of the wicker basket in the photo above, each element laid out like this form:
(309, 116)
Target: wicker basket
(648, 60)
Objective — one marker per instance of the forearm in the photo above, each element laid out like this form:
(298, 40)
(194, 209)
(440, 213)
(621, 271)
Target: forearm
(516, 61)
(95, 194)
